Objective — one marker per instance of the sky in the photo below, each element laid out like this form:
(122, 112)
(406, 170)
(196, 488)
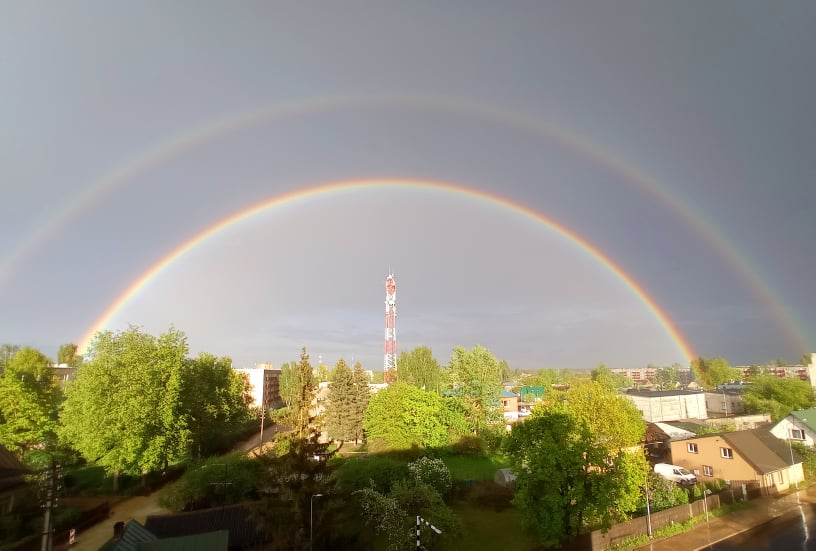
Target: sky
(564, 183)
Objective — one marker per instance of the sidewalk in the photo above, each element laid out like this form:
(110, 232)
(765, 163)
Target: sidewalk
(705, 534)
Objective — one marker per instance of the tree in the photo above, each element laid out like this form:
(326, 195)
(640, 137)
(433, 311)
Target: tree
(124, 411)
(777, 396)
(28, 402)
(420, 369)
(806, 359)
(605, 377)
(67, 355)
(7, 352)
(402, 416)
(216, 402)
(393, 514)
(340, 417)
(714, 371)
(666, 377)
(569, 475)
(299, 418)
(476, 376)
(288, 383)
(361, 398)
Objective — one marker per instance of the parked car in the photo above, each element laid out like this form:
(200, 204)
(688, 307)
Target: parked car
(675, 473)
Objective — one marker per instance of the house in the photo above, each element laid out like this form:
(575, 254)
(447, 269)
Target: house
(264, 384)
(510, 406)
(658, 439)
(244, 531)
(751, 457)
(798, 426)
(135, 537)
(668, 405)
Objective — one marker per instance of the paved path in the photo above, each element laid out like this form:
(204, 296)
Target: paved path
(717, 529)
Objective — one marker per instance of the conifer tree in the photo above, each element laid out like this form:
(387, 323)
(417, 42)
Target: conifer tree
(340, 411)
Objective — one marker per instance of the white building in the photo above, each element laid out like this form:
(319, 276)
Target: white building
(669, 405)
(798, 426)
(264, 386)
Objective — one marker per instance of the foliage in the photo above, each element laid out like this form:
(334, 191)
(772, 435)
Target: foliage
(402, 416)
(714, 371)
(572, 465)
(476, 376)
(666, 377)
(478, 468)
(7, 352)
(217, 481)
(809, 455)
(124, 410)
(288, 383)
(432, 472)
(664, 494)
(29, 398)
(298, 494)
(777, 395)
(298, 416)
(67, 355)
(420, 369)
(806, 359)
(378, 472)
(215, 402)
(606, 378)
(394, 513)
(543, 377)
(345, 410)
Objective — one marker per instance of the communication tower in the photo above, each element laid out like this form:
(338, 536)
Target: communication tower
(390, 358)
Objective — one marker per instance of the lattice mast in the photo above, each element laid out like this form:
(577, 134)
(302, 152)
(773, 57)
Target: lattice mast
(390, 358)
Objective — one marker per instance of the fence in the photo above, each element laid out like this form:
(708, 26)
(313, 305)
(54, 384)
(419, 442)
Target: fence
(639, 526)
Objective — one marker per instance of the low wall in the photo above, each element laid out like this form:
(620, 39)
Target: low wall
(639, 526)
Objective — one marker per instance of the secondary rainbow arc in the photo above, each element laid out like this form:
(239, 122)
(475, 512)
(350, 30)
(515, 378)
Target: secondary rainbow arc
(599, 256)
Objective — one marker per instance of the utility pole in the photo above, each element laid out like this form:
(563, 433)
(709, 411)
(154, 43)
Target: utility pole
(49, 489)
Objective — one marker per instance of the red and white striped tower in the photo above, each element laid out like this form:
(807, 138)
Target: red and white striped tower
(390, 358)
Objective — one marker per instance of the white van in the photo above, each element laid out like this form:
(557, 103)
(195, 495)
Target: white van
(675, 473)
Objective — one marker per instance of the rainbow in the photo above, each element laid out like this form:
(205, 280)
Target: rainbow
(361, 185)
(790, 324)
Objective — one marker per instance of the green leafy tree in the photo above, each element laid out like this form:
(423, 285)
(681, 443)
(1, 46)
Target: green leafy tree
(67, 355)
(29, 399)
(714, 371)
(664, 494)
(666, 377)
(543, 377)
(607, 378)
(299, 417)
(393, 513)
(420, 369)
(323, 374)
(124, 411)
(806, 359)
(402, 416)
(569, 476)
(777, 396)
(476, 376)
(288, 383)
(7, 352)
(216, 402)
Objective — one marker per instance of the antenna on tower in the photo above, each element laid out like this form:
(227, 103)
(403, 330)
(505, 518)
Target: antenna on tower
(390, 356)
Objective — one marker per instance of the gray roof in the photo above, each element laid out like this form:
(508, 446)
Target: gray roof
(661, 393)
(765, 452)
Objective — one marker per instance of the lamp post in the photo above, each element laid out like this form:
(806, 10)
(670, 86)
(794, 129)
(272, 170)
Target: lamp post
(311, 517)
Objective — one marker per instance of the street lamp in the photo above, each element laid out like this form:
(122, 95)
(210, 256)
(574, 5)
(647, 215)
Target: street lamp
(311, 517)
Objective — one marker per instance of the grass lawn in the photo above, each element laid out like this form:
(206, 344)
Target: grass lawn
(469, 467)
(488, 530)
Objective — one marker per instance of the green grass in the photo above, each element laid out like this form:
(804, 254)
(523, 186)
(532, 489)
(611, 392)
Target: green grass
(470, 467)
(486, 530)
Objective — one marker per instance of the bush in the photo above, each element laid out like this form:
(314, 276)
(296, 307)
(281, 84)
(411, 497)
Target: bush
(360, 472)
(432, 472)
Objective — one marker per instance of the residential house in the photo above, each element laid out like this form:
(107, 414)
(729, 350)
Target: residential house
(244, 531)
(658, 439)
(668, 405)
(798, 426)
(750, 457)
(510, 406)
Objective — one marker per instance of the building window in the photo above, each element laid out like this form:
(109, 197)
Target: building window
(727, 453)
(691, 447)
(725, 405)
(708, 470)
(797, 434)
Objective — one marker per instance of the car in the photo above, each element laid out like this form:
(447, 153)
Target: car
(675, 473)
